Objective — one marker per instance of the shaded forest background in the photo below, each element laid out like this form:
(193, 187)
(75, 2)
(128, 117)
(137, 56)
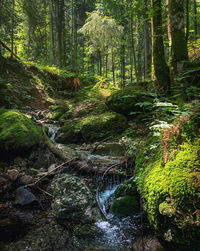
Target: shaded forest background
(122, 41)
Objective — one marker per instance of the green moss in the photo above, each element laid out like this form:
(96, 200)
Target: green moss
(128, 188)
(98, 127)
(130, 100)
(70, 132)
(17, 132)
(91, 128)
(125, 206)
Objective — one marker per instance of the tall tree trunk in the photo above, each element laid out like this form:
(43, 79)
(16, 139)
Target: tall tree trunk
(113, 65)
(168, 24)
(74, 35)
(139, 56)
(195, 18)
(52, 16)
(179, 46)
(58, 24)
(160, 67)
(12, 30)
(123, 64)
(147, 54)
(187, 20)
(133, 48)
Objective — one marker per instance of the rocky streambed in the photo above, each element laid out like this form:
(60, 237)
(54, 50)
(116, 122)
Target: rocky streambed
(50, 205)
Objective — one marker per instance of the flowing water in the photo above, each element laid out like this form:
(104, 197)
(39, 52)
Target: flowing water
(116, 234)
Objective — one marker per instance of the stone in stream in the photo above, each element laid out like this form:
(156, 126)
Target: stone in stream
(13, 174)
(125, 206)
(73, 200)
(24, 197)
(5, 183)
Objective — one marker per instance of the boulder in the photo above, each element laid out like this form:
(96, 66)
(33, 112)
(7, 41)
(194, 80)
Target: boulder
(130, 100)
(73, 200)
(128, 188)
(24, 196)
(91, 128)
(125, 206)
(18, 134)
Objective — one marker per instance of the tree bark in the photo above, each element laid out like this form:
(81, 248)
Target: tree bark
(113, 65)
(147, 54)
(12, 29)
(161, 69)
(187, 20)
(52, 16)
(179, 52)
(195, 19)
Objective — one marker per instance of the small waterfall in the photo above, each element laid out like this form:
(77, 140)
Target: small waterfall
(52, 131)
(119, 234)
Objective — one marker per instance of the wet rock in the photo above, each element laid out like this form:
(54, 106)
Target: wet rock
(45, 236)
(11, 225)
(113, 149)
(13, 174)
(25, 180)
(73, 200)
(5, 183)
(128, 188)
(147, 243)
(24, 196)
(42, 157)
(125, 206)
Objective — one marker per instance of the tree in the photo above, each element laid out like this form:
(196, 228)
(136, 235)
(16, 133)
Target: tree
(179, 46)
(160, 66)
(102, 33)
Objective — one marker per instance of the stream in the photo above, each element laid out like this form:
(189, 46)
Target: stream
(116, 233)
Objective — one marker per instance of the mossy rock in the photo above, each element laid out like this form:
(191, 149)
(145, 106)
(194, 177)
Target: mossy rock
(177, 180)
(98, 127)
(17, 133)
(58, 111)
(125, 206)
(130, 100)
(91, 128)
(73, 200)
(128, 188)
(70, 132)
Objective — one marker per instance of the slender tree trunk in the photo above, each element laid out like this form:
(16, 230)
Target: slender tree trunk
(106, 65)
(74, 35)
(195, 19)
(160, 67)
(12, 30)
(103, 52)
(52, 54)
(168, 24)
(123, 64)
(58, 22)
(179, 46)
(187, 20)
(139, 56)
(113, 65)
(133, 48)
(147, 54)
